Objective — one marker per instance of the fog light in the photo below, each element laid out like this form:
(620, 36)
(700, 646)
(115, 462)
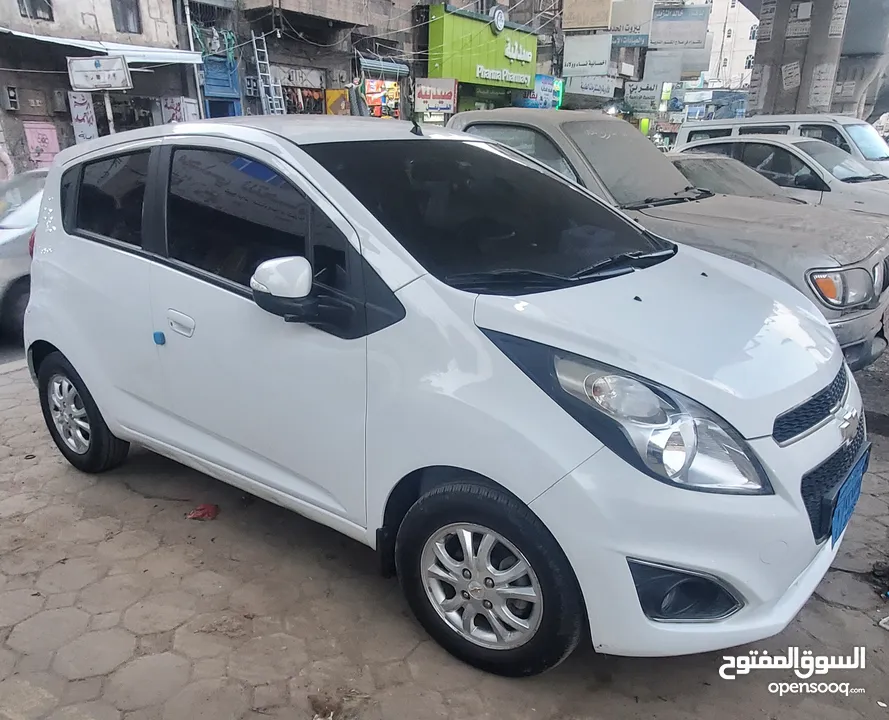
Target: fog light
(671, 595)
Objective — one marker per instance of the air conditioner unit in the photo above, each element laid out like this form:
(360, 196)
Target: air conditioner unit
(9, 98)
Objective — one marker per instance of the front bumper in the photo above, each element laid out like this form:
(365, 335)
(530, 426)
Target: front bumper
(763, 547)
(863, 337)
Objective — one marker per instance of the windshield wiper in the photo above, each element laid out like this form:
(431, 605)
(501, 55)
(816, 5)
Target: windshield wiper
(510, 276)
(625, 263)
(679, 196)
(864, 178)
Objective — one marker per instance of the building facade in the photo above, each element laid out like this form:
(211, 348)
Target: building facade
(734, 29)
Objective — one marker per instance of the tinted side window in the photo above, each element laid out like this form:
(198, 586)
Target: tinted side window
(775, 163)
(66, 197)
(707, 134)
(826, 133)
(226, 214)
(531, 142)
(110, 199)
(764, 130)
(719, 148)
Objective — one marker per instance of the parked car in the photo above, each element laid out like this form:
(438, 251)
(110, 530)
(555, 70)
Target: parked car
(460, 359)
(726, 176)
(19, 205)
(842, 268)
(856, 137)
(810, 170)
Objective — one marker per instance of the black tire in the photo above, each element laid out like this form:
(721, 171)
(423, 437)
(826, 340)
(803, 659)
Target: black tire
(562, 618)
(12, 321)
(105, 451)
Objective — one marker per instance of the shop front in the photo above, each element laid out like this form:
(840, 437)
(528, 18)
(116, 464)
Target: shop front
(491, 59)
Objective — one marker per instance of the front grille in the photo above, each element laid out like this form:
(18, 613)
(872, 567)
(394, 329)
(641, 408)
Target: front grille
(813, 411)
(823, 480)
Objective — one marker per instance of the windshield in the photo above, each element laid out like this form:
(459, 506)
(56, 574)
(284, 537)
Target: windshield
(837, 162)
(869, 142)
(468, 207)
(631, 167)
(15, 209)
(726, 177)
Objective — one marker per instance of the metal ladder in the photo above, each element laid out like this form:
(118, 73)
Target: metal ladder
(269, 88)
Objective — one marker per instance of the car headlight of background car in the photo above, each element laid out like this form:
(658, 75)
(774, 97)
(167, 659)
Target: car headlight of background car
(668, 436)
(843, 288)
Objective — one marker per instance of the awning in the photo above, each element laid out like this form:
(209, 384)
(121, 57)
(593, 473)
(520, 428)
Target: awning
(383, 67)
(132, 53)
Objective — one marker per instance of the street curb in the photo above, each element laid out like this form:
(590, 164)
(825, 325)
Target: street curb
(13, 366)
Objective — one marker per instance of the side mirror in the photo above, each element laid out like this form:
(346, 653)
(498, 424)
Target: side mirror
(807, 181)
(281, 286)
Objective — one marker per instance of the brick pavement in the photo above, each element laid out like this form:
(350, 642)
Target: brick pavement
(113, 606)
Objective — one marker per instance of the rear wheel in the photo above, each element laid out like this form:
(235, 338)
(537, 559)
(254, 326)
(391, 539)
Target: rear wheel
(12, 322)
(488, 581)
(73, 419)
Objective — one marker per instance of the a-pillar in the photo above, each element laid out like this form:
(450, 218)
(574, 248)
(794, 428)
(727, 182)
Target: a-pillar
(797, 54)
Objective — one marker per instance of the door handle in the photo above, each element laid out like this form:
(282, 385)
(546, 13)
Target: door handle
(180, 323)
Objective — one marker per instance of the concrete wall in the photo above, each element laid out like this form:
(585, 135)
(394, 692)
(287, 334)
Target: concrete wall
(92, 20)
(391, 14)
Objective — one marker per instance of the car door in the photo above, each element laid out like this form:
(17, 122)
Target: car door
(278, 403)
(99, 285)
(798, 178)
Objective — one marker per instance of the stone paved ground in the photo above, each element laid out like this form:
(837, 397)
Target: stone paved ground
(112, 606)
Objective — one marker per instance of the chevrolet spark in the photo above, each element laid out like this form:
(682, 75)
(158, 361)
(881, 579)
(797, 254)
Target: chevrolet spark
(553, 425)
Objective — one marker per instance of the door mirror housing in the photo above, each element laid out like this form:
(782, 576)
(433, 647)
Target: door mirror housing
(281, 286)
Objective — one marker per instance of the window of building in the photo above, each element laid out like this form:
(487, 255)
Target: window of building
(728, 33)
(109, 203)
(36, 9)
(748, 63)
(531, 142)
(227, 214)
(127, 18)
(754, 30)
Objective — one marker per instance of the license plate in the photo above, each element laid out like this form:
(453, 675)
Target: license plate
(847, 499)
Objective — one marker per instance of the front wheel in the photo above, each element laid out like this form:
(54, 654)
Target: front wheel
(488, 581)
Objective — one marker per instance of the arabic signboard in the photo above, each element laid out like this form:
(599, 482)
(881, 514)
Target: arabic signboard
(100, 72)
(462, 47)
(586, 55)
(583, 14)
(630, 20)
(791, 75)
(766, 20)
(663, 66)
(642, 96)
(602, 87)
(823, 81)
(679, 26)
(838, 19)
(799, 23)
(542, 96)
(437, 95)
(83, 116)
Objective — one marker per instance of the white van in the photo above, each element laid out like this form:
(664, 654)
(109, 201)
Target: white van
(551, 423)
(855, 136)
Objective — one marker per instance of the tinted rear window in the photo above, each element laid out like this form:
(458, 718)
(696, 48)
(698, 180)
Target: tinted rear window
(465, 206)
(109, 202)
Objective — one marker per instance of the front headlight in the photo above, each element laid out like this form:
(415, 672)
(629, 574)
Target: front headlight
(843, 288)
(668, 436)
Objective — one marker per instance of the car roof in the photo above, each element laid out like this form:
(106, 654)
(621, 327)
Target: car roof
(675, 154)
(753, 137)
(534, 116)
(299, 129)
(773, 119)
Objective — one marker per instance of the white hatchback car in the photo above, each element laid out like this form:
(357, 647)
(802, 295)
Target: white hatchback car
(810, 170)
(546, 419)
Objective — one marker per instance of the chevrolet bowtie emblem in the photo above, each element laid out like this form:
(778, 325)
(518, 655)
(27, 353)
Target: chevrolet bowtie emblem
(848, 424)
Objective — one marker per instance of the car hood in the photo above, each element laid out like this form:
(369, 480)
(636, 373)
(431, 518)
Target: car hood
(738, 341)
(844, 236)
